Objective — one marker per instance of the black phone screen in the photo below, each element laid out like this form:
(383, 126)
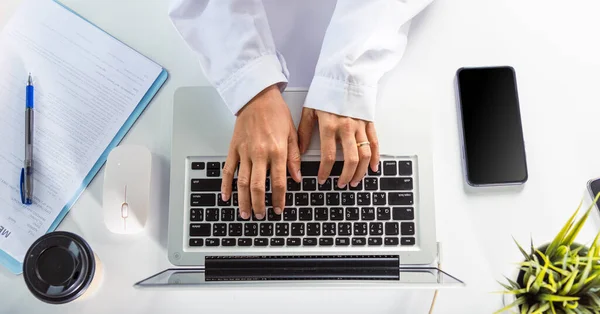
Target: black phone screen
(494, 149)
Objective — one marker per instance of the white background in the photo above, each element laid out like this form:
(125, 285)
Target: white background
(555, 49)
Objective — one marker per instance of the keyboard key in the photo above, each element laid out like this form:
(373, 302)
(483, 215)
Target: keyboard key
(379, 198)
(213, 165)
(272, 216)
(196, 214)
(227, 214)
(289, 199)
(219, 230)
(375, 228)
(290, 214)
(213, 242)
(348, 199)
(363, 199)
(396, 184)
(325, 241)
(206, 185)
(371, 184)
(390, 241)
(359, 187)
(378, 173)
(234, 185)
(333, 199)
(196, 242)
(256, 219)
(317, 199)
(321, 214)
(305, 213)
(266, 229)
(383, 213)
(309, 168)
(203, 199)
(198, 166)
(234, 199)
(391, 228)
(313, 229)
(405, 168)
(398, 198)
(335, 185)
(325, 186)
(342, 241)
(407, 228)
(345, 228)
(367, 213)
(235, 230)
(293, 185)
(301, 199)
(268, 199)
(250, 229)
(352, 213)
(298, 229)
(213, 173)
(309, 184)
(220, 201)
(407, 241)
(403, 213)
(282, 229)
(359, 241)
(244, 242)
(309, 241)
(277, 241)
(293, 241)
(375, 241)
(212, 214)
(389, 168)
(337, 213)
(267, 183)
(261, 241)
(337, 168)
(228, 242)
(239, 218)
(360, 228)
(329, 228)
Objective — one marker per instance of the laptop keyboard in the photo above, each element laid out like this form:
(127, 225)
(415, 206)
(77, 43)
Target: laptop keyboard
(380, 211)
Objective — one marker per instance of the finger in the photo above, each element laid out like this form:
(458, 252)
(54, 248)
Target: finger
(305, 128)
(278, 182)
(328, 150)
(244, 187)
(257, 185)
(350, 158)
(228, 173)
(364, 157)
(293, 156)
(372, 136)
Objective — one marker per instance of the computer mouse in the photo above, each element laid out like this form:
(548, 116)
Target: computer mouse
(126, 191)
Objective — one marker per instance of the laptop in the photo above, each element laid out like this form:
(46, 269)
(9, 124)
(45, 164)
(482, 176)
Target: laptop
(382, 231)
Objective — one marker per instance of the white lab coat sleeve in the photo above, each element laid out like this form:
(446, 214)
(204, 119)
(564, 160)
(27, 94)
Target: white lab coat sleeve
(364, 40)
(235, 46)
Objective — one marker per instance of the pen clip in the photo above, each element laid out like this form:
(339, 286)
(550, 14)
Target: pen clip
(22, 185)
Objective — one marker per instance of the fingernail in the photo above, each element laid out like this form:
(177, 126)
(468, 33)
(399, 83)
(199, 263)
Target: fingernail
(377, 168)
(321, 182)
(260, 216)
(277, 210)
(299, 174)
(354, 184)
(223, 198)
(341, 186)
(245, 215)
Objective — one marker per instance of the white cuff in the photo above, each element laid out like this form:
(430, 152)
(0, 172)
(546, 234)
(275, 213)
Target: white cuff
(342, 98)
(250, 80)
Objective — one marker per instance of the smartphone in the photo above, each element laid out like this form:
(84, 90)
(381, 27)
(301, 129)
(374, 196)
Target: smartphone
(493, 146)
(594, 189)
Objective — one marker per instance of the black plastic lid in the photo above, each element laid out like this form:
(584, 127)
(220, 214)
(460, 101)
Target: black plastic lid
(59, 267)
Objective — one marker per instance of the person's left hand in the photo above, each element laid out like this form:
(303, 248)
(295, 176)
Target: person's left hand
(350, 132)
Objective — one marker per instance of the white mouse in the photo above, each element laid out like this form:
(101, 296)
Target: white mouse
(126, 195)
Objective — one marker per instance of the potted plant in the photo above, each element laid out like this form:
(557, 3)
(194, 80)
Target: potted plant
(560, 277)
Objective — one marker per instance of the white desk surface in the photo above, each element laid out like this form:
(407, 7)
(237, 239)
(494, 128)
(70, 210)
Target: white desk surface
(552, 44)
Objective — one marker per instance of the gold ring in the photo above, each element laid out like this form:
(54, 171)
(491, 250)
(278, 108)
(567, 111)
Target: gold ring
(363, 144)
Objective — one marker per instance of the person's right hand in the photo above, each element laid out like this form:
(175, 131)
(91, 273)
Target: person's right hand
(264, 136)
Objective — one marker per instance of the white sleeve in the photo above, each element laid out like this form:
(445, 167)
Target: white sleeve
(234, 44)
(364, 40)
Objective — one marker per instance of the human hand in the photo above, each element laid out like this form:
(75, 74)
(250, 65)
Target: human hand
(359, 143)
(264, 136)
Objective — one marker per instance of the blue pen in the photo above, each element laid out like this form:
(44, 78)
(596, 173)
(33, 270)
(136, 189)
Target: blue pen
(27, 171)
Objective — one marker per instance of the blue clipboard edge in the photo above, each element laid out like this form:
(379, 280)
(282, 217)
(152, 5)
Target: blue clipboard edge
(15, 266)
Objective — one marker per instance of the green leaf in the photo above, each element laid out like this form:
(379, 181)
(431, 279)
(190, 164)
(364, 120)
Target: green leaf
(570, 237)
(542, 273)
(524, 308)
(552, 308)
(543, 307)
(586, 271)
(527, 256)
(558, 239)
(512, 283)
(555, 298)
(519, 301)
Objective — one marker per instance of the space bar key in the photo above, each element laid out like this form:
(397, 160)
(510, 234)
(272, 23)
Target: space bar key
(206, 185)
